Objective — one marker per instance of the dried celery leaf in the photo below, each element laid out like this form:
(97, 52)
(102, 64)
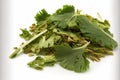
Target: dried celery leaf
(72, 59)
(95, 34)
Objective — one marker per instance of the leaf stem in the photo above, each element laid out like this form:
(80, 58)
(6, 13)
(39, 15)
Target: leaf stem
(84, 46)
(18, 50)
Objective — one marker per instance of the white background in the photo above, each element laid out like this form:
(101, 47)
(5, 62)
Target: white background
(17, 14)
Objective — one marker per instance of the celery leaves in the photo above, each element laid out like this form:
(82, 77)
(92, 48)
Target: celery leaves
(95, 34)
(72, 59)
(66, 37)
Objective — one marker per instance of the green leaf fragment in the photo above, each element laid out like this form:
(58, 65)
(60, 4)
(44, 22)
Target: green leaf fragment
(41, 15)
(95, 34)
(45, 43)
(40, 62)
(72, 59)
(65, 9)
(25, 34)
(37, 63)
(60, 19)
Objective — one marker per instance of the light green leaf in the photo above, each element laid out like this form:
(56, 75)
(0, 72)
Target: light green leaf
(40, 62)
(25, 34)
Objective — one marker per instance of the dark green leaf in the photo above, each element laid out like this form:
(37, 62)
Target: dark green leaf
(41, 15)
(95, 34)
(65, 9)
(72, 59)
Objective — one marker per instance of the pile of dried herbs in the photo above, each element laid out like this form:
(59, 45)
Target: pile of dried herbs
(66, 37)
